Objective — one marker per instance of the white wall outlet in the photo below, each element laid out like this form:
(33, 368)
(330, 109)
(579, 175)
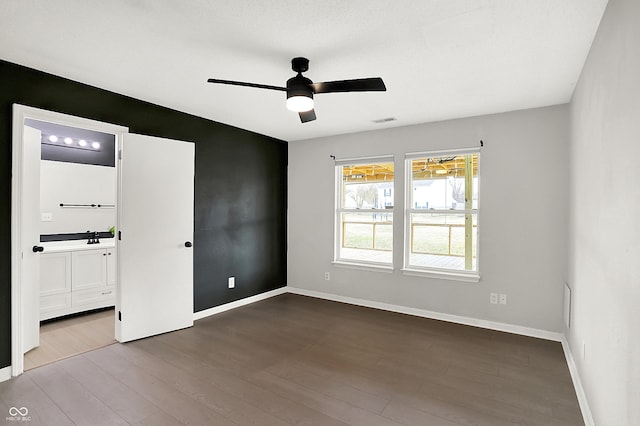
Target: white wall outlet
(47, 217)
(493, 298)
(503, 299)
(232, 282)
(327, 276)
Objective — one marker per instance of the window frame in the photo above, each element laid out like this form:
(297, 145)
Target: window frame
(409, 210)
(339, 210)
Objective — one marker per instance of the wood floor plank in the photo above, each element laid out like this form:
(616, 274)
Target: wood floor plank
(193, 363)
(332, 407)
(197, 387)
(22, 392)
(412, 416)
(130, 405)
(159, 418)
(78, 403)
(186, 409)
(301, 376)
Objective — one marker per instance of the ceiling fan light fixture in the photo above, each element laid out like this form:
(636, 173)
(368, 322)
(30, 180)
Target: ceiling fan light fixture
(300, 90)
(300, 103)
(299, 94)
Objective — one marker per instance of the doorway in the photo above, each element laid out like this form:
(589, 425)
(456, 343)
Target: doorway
(72, 159)
(77, 205)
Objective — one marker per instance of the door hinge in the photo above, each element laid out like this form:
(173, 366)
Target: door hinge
(119, 316)
(119, 235)
(119, 154)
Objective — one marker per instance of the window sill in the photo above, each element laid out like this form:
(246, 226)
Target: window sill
(448, 275)
(363, 266)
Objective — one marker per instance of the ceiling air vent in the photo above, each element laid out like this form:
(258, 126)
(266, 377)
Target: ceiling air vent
(384, 120)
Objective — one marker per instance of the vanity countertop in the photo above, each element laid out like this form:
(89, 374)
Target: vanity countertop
(76, 245)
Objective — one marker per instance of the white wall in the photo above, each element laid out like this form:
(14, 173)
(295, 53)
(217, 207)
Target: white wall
(604, 244)
(523, 217)
(78, 184)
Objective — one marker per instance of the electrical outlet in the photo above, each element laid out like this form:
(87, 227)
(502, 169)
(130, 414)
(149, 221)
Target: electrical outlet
(232, 282)
(503, 299)
(493, 298)
(47, 217)
(327, 276)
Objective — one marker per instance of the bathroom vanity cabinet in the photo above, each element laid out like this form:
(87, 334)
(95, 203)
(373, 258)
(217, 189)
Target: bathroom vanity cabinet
(76, 278)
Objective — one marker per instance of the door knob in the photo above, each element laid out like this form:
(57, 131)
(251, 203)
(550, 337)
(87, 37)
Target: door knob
(188, 244)
(37, 249)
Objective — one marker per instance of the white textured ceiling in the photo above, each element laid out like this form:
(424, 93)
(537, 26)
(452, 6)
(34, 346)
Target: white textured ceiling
(440, 59)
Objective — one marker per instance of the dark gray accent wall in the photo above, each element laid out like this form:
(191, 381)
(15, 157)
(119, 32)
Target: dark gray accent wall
(240, 187)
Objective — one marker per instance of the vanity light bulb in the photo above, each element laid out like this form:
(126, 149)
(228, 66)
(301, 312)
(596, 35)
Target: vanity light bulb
(82, 142)
(95, 145)
(68, 141)
(53, 138)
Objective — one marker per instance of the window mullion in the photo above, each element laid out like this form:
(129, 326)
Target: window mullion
(468, 218)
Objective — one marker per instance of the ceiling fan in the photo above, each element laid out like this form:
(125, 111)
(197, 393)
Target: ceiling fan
(300, 90)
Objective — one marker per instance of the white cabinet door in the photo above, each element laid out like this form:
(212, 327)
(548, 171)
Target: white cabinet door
(111, 267)
(55, 273)
(155, 216)
(89, 269)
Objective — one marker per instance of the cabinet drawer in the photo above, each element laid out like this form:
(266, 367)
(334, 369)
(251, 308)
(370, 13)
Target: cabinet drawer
(54, 302)
(93, 296)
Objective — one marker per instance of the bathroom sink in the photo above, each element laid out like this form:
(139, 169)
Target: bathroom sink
(74, 245)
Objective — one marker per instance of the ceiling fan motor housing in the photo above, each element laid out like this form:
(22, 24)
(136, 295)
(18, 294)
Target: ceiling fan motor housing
(299, 86)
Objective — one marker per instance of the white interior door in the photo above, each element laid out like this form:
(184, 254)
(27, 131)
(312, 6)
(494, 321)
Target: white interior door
(155, 218)
(30, 269)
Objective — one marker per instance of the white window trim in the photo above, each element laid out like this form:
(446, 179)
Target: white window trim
(445, 274)
(337, 232)
(448, 274)
(365, 266)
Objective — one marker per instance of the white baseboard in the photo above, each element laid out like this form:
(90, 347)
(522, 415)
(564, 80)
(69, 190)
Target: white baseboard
(491, 325)
(238, 303)
(577, 384)
(5, 373)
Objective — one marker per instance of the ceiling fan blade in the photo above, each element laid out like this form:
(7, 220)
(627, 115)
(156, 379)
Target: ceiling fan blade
(374, 84)
(242, 83)
(307, 116)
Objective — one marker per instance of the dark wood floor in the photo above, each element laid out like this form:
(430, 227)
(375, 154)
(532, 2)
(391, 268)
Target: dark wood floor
(298, 360)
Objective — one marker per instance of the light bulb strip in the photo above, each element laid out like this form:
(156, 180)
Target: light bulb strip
(68, 142)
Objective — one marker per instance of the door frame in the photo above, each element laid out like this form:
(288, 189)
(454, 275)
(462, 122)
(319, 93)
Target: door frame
(20, 113)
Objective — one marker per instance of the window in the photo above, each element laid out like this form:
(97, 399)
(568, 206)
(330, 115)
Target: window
(442, 213)
(364, 211)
